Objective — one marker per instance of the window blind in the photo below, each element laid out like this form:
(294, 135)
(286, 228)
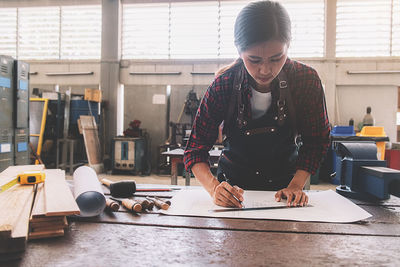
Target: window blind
(145, 31)
(205, 29)
(39, 33)
(308, 27)
(363, 28)
(228, 13)
(194, 30)
(396, 28)
(8, 26)
(80, 32)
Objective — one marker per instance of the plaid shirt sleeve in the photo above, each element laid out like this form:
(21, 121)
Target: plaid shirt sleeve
(312, 119)
(209, 116)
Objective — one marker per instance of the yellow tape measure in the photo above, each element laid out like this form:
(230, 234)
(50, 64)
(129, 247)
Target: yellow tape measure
(8, 185)
(25, 178)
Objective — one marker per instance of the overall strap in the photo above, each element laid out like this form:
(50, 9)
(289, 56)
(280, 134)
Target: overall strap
(239, 92)
(285, 99)
(236, 101)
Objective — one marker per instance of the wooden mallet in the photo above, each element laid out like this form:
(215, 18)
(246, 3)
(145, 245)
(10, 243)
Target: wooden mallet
(120, 189)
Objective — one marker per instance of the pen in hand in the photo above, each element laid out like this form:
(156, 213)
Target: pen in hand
(228, 181)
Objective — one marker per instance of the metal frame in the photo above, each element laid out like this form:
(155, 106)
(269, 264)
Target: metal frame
(42, 125)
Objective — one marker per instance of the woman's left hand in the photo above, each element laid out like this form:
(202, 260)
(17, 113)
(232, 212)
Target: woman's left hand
(294, 195)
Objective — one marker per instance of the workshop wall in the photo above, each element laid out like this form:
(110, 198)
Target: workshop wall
(353, 101)
(41, 75)
(145, 103)
(341, 89)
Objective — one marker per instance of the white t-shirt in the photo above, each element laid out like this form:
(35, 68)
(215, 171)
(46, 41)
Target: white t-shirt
(260, 103)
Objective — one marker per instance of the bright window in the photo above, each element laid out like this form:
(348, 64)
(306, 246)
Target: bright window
(80, 32)
(39, 33)
(66, 32)
(396, 29)
(194, 30)
(8, 26)
(364, 28)
(145, 31)
(204, 29)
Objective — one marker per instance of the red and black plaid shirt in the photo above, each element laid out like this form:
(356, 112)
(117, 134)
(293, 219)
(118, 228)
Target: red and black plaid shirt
(308, 100)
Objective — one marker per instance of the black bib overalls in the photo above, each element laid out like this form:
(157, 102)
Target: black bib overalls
(259, 161)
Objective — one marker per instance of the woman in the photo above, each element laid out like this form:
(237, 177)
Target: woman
(266, 101)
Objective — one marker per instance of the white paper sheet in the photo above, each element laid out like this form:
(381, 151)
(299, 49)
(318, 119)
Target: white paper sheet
(325, 206)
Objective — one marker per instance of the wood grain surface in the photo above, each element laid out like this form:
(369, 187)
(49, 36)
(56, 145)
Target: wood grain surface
(58, 197)
(13, 203)
(201, 247)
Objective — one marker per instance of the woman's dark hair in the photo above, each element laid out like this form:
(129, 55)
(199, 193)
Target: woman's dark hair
(260, 22)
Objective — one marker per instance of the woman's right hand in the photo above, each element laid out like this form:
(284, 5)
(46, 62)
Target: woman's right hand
(228, 196)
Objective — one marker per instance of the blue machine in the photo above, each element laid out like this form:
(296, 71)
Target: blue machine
(362, 175)
(128, 154)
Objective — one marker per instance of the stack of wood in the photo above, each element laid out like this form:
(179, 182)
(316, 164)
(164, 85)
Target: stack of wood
(33, 211)
(53, 202)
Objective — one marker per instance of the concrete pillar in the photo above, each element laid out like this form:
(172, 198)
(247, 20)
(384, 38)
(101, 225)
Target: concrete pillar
(109, 68)
(330, 54)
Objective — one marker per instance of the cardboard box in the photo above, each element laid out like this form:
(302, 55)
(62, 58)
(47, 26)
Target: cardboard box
(92, 95)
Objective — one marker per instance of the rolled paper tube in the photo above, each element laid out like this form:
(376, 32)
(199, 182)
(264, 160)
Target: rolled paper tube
(87, 192)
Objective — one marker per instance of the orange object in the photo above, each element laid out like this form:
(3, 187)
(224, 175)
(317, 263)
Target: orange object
(375, 131)
(92, 95)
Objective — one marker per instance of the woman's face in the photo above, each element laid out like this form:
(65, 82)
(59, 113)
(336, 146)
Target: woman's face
(264, 61)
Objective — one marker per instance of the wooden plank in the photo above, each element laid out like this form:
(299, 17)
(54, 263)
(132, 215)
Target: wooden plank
(38, 209)
(17, 240)
(57, 195)
(60, 223)
(13, 202)
(46, 219)
(47, 228)
(92, 148)
(46, 234)
(91, 138)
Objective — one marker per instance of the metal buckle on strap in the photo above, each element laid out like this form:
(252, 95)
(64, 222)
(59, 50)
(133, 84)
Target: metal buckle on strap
(241, 123)
(297, 141)
(282, 84)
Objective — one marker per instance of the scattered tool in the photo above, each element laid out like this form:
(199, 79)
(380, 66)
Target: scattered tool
(159, 203)
(30, 178)
(121, 189)
(166, 201)
(146, 205)
(156, 189)
(112, 205)
(124, 189)
(130, 204)
(151, 204)
(258, 208)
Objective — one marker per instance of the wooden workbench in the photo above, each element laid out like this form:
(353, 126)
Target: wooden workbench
(126, 239)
